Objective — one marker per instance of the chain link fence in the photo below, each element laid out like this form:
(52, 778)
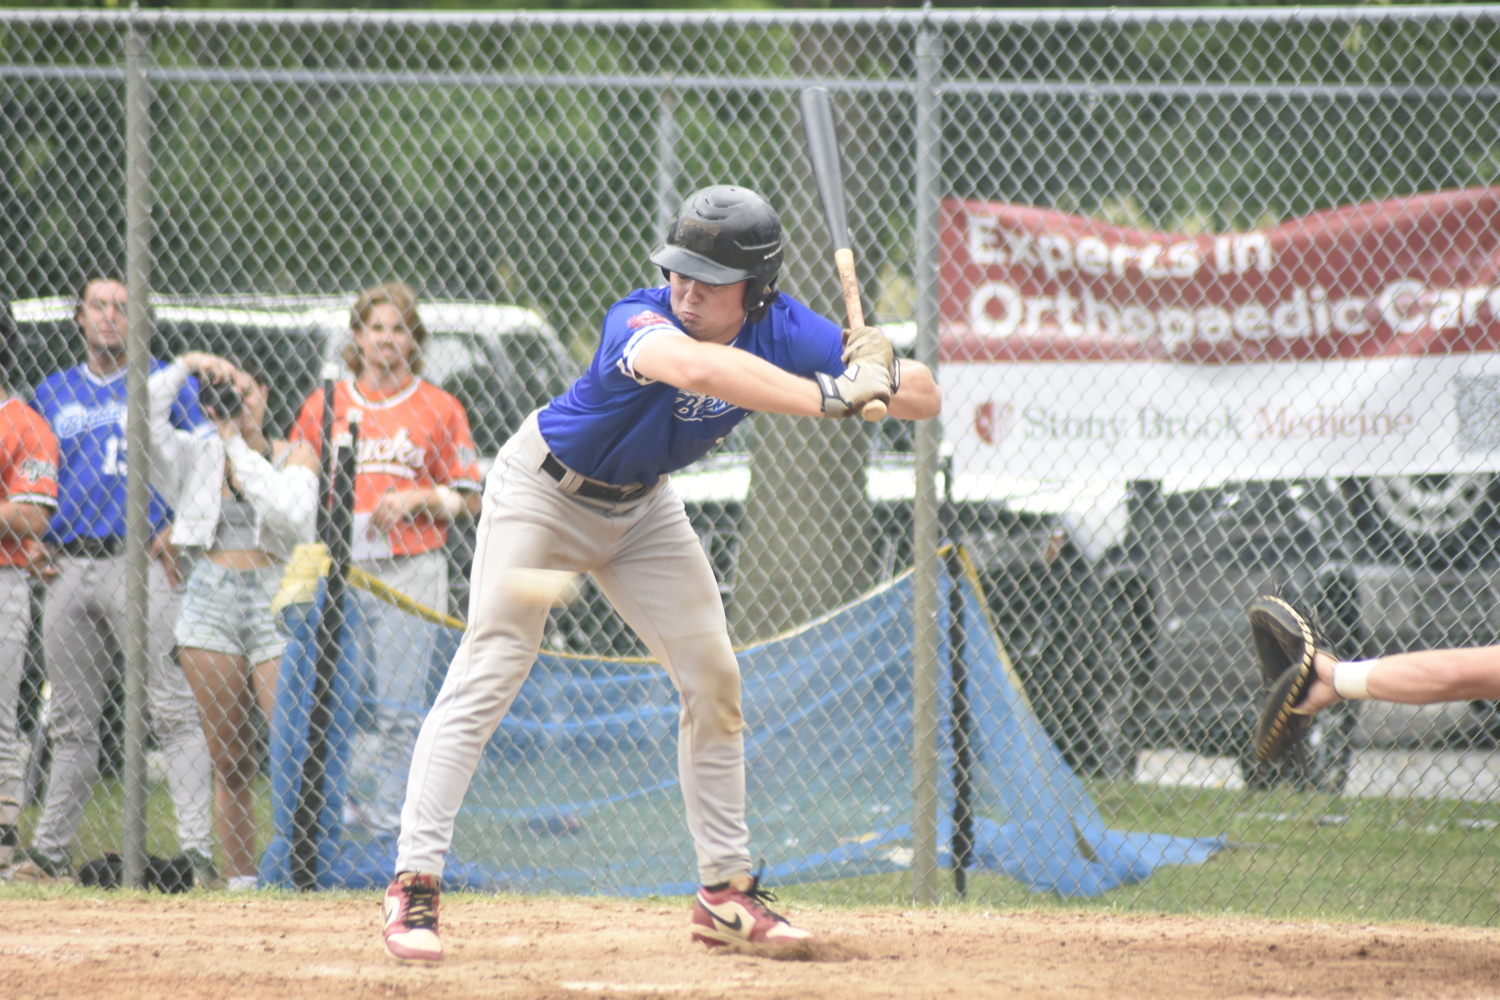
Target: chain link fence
(1212, 298)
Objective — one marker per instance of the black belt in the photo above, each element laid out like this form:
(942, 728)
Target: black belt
(93, 548)
(591, 488)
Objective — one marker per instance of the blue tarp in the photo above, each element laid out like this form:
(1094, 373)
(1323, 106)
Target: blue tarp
(580, 794)
(343, 861)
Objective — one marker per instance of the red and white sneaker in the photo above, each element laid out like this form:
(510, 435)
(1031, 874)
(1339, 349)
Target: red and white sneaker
(737, 913)
(411, 918)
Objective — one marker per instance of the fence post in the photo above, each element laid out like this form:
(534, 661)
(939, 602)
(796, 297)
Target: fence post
(138, 491)
(925, 507)
(667, 166)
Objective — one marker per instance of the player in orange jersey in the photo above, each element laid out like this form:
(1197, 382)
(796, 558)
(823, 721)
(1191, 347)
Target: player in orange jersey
(28, 499)
(416, 472)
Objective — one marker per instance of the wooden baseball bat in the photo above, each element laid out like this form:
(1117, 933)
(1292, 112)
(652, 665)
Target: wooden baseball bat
(823, 154)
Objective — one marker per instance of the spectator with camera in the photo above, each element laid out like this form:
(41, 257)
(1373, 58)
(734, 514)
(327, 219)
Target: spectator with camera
(84, 612)
(416, 472)
(243, 502)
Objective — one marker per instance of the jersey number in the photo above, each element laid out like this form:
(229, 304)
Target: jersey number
(114, 457)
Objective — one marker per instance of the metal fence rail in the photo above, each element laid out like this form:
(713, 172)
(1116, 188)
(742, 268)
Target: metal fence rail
(1142, 249)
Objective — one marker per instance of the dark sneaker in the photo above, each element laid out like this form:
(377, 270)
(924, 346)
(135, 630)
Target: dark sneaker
(34, 866)
(10, 837)
(726, 914)
(205, 872)
(169, 874)
(411, 918)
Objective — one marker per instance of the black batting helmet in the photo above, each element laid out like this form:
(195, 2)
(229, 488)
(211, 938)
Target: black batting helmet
(723, 234)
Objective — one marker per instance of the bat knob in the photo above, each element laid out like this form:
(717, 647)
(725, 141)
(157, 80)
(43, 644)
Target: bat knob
(873, 410)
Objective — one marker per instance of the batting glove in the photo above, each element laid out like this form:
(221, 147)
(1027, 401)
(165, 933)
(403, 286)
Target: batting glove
(847, 394)
(870, 345)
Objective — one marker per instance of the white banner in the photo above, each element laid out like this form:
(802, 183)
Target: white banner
(1191, 426)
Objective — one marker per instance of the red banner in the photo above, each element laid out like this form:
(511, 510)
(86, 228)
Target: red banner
(1409, 276)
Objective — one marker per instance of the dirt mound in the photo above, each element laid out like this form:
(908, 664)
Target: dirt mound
(120, 946)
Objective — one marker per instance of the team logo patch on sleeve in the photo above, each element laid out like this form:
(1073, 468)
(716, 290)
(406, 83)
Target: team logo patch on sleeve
(36, 469)
(647, 318)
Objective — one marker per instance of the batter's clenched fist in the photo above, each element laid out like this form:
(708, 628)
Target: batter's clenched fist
(869, 344)
(860, 383)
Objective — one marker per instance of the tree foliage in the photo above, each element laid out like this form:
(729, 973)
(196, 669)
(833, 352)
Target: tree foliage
(519, 161)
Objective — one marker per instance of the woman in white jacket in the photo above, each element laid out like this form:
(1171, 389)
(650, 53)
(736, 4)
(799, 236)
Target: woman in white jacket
(241, 503)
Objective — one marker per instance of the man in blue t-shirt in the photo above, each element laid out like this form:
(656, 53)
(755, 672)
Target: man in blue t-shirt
(582, 488)
(84, 616)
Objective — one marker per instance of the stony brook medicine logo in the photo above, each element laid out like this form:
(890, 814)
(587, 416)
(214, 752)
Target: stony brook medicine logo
(993, 422)
(694, 407)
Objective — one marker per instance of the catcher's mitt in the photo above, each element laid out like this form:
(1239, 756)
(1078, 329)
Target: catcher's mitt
(1285, 639)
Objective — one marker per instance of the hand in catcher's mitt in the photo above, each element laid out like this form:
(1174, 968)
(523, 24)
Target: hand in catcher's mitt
(1285, 639)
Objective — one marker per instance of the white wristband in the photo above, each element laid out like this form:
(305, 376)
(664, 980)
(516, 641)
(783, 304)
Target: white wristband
(449, 498)
(1352, 679)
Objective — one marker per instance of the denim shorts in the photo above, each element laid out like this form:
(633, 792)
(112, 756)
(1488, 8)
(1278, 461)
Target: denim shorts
(229, 611)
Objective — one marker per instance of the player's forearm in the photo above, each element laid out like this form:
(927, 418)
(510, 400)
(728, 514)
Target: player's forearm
(19, 521)
(1436, 675)
(735, 376)
(919, 397)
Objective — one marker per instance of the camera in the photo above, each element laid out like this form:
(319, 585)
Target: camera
(220, 397)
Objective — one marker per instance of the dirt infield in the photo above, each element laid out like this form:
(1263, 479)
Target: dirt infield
(123, 947)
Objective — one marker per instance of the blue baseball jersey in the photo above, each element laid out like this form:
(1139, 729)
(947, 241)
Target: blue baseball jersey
(619, 427)
(87, 413)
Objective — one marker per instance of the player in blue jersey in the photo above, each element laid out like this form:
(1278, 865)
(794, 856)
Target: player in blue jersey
(84, 615)
(582, 488)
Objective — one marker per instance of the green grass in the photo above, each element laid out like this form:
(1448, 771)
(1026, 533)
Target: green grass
(1293, 855)
(102, 828)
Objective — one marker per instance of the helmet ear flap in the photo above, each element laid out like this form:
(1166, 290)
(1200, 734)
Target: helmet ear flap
(759, 297)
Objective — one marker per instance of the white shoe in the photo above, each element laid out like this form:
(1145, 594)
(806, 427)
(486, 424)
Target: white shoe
(411, 919)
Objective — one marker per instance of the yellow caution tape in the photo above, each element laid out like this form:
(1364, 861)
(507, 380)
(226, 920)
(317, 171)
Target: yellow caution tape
(310, 561)
(374, 585)
(299, 581)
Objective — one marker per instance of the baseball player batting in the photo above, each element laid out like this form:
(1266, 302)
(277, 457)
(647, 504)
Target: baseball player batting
(582, 487)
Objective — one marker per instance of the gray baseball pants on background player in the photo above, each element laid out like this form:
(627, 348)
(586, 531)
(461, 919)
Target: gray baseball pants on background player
(647, 559)
(83, 621)
(15, 622)
(400, 653)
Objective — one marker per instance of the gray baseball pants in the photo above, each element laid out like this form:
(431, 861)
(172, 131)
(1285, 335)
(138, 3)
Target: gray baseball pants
(401, 648)
(82, 623)
(15, 622)
(646, 558)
